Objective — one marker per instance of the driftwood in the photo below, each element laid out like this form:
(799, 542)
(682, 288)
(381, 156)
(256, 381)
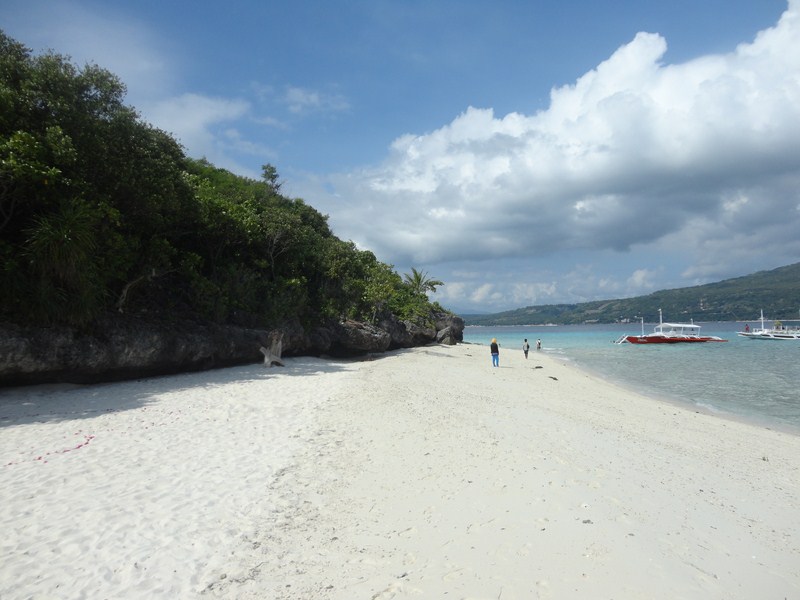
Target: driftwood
(273, 355)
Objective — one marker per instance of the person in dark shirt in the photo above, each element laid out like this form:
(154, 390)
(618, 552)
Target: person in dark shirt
(495, 349)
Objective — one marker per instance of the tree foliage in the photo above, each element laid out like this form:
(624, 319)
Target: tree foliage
(420, 282)
(100, 212)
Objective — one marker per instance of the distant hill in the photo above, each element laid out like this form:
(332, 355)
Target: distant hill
(777, 292)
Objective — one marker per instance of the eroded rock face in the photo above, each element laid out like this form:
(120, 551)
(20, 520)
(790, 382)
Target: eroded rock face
(117, 349)
(449, 329)
(448, 336)
(406, 334)
(398, 332)
(123, 351)
(352, 338)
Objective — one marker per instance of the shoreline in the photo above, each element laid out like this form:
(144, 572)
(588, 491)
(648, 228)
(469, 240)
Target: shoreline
(421, 472)
(656, 395)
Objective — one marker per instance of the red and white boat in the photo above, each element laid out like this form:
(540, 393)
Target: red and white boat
(671, 333)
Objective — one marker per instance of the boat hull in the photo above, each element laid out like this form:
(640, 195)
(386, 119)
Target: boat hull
(671, 333)
(657, 339)
(770, 336)
(777, 332)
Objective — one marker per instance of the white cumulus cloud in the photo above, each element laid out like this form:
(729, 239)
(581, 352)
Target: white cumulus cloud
(634, 153)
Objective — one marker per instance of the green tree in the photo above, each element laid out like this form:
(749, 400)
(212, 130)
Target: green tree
(381, 285)
(270, 175)
(69, 146)
(420, 283)
(101, 212)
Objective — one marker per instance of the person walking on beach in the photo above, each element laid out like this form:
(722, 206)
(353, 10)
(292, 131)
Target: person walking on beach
(495, 350)
(525, 347)
(538, 344)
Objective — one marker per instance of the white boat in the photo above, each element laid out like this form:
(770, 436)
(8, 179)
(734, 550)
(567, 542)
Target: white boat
(670, 333)
(778, 331)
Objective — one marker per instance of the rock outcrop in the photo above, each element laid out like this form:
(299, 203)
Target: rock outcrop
(352, 338)
(117, 348)
(447, 329)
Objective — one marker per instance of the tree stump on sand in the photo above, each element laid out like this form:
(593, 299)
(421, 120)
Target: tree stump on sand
(273, 355)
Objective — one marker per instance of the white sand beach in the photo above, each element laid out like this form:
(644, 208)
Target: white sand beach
(423, 473)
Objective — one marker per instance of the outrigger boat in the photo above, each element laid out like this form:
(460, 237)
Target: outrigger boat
(670, 333)
(778, 331)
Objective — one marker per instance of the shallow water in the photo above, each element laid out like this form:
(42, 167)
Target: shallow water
(752, 379)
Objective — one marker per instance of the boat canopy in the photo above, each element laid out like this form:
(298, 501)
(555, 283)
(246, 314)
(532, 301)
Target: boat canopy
(680, 328)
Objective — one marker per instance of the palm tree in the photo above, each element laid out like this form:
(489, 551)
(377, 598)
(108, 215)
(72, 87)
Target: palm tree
(420, 283)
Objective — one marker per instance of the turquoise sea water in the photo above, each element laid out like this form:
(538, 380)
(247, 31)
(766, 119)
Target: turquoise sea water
(754, 380)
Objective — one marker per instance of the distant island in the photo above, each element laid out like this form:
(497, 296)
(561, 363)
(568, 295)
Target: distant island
(776, 292)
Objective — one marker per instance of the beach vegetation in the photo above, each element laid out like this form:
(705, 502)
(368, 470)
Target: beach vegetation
(102, 213)
(420, 282)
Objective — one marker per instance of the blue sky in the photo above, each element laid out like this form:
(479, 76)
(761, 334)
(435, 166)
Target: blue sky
(524, 152)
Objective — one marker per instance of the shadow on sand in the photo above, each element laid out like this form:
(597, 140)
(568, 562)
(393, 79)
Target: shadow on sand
(62, 402)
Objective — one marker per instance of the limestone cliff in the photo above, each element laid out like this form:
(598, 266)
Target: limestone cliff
(114, 348)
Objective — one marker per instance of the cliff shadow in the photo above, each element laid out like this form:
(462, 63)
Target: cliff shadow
(51, 403)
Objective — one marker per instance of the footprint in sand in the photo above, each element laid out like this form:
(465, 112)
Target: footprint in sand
(398, 588)
(472, 526)
(525, 550)
(452, 575)
(408, 532)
